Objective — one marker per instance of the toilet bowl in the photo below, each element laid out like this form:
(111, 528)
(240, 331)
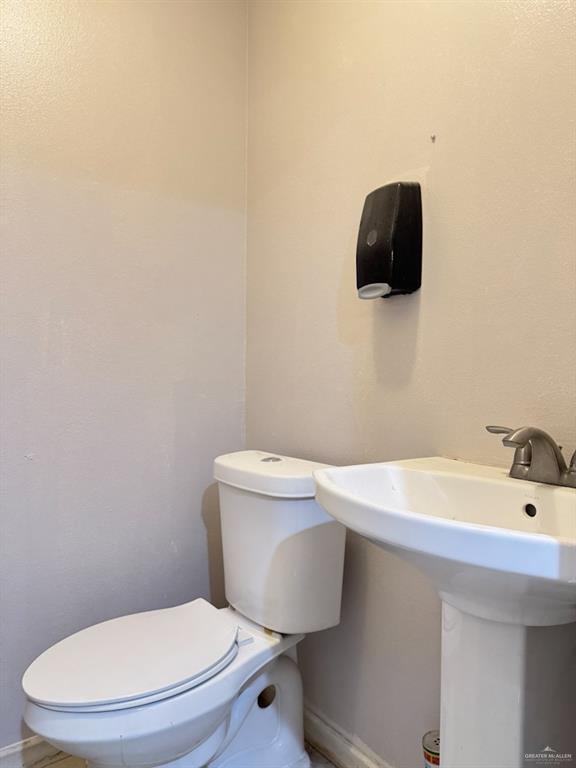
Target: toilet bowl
(193, 685)
(199, 714)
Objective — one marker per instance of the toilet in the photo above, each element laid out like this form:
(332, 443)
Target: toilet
(195, 686)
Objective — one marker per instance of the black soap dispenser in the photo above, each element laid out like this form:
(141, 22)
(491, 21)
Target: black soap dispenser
(389, 251)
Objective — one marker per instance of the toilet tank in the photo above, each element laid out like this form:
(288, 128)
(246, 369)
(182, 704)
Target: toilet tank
(283, 554)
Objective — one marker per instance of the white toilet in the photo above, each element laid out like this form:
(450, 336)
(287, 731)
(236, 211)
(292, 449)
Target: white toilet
(194, 686)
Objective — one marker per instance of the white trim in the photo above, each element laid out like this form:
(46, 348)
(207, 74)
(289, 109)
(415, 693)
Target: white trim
(343, 749)
(27, 753)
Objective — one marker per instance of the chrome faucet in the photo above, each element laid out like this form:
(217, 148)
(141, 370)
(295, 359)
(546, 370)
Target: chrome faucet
(537, 458)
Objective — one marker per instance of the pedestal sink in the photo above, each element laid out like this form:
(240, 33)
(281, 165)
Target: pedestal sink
(502, 555)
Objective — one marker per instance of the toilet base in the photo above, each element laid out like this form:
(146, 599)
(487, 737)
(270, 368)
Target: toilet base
(270, 733)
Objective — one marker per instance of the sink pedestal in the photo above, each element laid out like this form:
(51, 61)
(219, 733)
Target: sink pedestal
(508, 692)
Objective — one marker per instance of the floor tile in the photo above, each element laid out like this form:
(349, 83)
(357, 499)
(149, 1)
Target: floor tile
(61, 761)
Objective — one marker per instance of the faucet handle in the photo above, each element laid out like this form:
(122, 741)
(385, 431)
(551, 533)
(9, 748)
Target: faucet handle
(522, 454)
(499, 430)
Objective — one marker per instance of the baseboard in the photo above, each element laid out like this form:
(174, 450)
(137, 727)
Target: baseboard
(344, 750)
(30, 752)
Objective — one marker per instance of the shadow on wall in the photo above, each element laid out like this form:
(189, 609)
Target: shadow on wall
(347, 692)
(211, 518)
(383, 336)
(394, 336)
(550, 687)
(391, 325)
(350, 633)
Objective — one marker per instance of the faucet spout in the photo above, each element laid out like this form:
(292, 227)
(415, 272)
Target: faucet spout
(537, 457)
(547, 464)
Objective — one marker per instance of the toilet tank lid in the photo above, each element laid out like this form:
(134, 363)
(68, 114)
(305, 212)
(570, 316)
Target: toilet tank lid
(270, 474)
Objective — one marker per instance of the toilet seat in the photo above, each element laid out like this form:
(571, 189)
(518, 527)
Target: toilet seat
(134, 660)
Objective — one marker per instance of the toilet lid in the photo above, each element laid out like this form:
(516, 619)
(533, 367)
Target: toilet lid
(134, 657)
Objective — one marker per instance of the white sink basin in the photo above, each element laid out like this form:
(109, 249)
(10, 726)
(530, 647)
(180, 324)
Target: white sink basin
(502, 554)
(470, 529)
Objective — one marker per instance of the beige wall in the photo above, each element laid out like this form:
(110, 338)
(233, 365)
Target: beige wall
(122, 331)
(344, 97)
(122, 310)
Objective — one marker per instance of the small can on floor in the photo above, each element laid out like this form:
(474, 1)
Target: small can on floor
(431, 749)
